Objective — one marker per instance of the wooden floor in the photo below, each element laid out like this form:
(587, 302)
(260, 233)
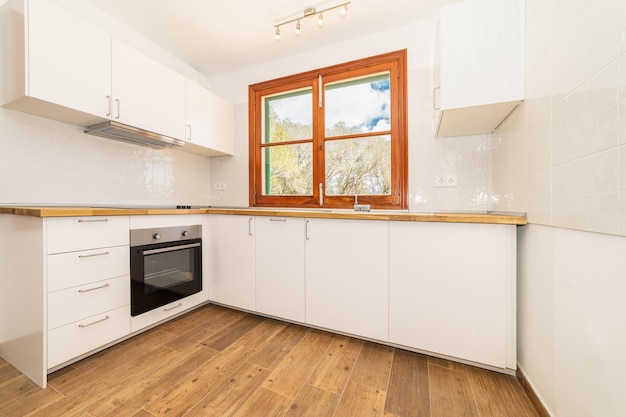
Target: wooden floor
(221, 362)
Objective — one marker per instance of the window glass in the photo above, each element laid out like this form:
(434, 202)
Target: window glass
(288, 170)
(358, 105)
(288, 116)
(359, 165)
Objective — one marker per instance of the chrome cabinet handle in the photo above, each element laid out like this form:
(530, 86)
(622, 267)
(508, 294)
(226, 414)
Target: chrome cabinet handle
(109, 106)
(189, 128)
(278, 220)
(92, 255)
(250, 226)
(94, 288)
(95, 322)
(306, 230)
(92, 220)
(172, 308)
(117, 101)
(435, 98)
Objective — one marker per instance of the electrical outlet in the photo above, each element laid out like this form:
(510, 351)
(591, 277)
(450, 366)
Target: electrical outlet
(220, 186)
(440, 182)
(447, 181)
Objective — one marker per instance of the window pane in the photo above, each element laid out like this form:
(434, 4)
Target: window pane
(366, 161)
(288, 116)
(358, 105)
(288, 170)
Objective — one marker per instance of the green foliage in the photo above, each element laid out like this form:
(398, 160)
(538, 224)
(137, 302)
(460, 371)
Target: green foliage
(289, 168)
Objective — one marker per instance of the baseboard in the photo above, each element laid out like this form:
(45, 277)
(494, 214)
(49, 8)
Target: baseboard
(530, 391)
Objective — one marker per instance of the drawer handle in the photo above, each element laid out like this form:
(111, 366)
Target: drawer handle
(92, 255)
(172, 308)
(94, 288)
(95, 322)
(93, 220)
(278, 220)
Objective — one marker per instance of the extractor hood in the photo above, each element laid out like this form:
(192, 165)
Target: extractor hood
(126, 133)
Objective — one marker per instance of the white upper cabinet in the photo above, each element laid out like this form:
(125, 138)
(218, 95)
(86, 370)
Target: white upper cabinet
(147, 94)
(56, 65)
(59, 66)
(481, 65)
(210, 123)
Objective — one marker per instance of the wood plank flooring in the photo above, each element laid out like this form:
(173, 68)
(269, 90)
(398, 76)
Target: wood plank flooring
(220, 362)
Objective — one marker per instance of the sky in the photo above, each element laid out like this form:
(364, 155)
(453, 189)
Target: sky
(364, 106)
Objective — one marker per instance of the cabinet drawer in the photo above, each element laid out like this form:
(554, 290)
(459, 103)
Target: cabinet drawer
(71, 269)
(72, 304)
(66, 234)
(158, 314)
(80, 337)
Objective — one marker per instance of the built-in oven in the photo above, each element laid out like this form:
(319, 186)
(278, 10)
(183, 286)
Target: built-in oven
(165, 266)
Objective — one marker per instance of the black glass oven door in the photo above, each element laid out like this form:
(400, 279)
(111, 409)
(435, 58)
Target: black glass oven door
(162, 273)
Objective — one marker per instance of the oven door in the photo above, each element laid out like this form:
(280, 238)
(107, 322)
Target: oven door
(164, 272)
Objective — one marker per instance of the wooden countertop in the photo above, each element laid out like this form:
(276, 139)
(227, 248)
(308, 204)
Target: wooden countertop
(445, 217)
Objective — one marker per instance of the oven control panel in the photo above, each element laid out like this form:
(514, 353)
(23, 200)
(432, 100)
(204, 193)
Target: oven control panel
(140, 237)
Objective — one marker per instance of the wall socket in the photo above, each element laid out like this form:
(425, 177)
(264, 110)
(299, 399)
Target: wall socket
(447, 181)
(220, 186)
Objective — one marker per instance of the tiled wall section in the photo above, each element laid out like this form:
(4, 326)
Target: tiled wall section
(47, 162)
(561, 156)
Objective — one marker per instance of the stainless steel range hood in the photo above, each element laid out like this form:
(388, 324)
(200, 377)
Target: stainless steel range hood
(126, 133)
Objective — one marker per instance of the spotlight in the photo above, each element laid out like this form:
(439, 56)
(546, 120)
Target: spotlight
(310, 12)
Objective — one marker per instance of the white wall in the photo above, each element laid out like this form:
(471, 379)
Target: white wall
(561, 157)
(469, 158)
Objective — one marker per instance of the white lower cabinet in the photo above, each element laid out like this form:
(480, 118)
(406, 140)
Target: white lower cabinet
(234, 283)
(279, 267)
(347, 276)
(88, 285)
(452, 290)
(80, 337)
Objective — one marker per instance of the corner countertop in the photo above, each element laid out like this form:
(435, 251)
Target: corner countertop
(389, 215)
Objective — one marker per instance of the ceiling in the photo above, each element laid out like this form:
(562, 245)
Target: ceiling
(216, 37)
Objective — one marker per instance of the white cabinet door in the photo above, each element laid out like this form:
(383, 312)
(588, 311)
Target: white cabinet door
(451, 290)
(280, 267)
(482, 68)
(147, 94)
(233, 284)
(67, 66)
(210, 122)
(346, 276)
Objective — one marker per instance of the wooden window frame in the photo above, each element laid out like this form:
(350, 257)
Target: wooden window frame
(397, 61)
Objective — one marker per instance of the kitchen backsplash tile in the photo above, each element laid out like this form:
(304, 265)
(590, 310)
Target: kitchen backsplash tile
(48, 162)
(566, 145)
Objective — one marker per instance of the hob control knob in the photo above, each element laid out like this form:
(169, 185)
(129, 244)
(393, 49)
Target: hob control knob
(185, 233)
(156, 236)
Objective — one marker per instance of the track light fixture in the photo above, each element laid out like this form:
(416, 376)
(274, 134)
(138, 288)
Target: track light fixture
(311, 12)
